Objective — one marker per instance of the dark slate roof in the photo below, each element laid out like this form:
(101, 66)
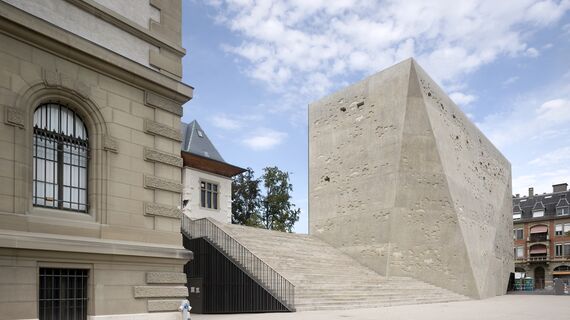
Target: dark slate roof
(548, 201)
(195, 140)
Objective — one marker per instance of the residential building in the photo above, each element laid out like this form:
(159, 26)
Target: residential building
(542, 235)
(206, 176)
(90, 186)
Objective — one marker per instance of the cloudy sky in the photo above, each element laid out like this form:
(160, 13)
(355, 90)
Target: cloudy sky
(257, 64)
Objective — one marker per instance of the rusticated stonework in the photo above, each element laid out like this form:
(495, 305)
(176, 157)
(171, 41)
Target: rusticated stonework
(153, 182)
(163, 305)
(157, 101)
(160, 291)
(163, 157)
(110, 144)
(159, 129)
(165, 277)
(155, 209)
(14, 117)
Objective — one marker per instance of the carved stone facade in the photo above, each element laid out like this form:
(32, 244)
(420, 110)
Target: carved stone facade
(129, 95)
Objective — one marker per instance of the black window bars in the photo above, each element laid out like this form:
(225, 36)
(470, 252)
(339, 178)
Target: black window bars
(63, 294)
(61, 157)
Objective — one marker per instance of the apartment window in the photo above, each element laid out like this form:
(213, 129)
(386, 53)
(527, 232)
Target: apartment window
(567, 249)
(562, 211)
(519, 252)
(558, 230)
(63, 294)
(60, 159)
(558, 249)
(518, 234)
(517, 216)
(208, 195)
(566, 230)
(538, 214)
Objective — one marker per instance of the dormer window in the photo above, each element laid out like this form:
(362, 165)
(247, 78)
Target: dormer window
(517, 214)
(562, 207)
(538, 210)
(538, 213)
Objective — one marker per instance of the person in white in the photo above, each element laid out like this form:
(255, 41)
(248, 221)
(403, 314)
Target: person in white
(185, 309)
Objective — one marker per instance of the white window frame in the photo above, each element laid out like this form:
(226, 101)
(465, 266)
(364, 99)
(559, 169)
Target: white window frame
(515, 232)
(517, 216)
(519, 252)
(559, 229)
(558, 249)
(538, 214)
(563, 211)
(212, 194)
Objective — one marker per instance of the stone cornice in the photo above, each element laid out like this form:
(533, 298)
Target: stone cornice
(123, 23)
(18, 24)
(49, 242)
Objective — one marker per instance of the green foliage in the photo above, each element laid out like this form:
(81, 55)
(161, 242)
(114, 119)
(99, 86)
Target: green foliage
(246, 199)
(272, 210)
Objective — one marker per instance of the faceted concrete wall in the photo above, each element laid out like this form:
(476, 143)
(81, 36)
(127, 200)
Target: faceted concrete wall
(401, 180)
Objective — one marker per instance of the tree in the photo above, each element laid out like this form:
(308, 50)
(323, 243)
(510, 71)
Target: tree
(278, 213)
(272, 210)
(246, 199)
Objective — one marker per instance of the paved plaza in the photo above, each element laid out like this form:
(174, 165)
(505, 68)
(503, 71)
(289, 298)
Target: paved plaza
(519, 307)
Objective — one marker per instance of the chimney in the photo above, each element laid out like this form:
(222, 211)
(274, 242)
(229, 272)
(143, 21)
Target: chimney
(518, 195)
(561, 187)
(530, 192)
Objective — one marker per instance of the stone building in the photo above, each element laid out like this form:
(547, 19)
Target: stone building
(541, 235)
(206, 177)
(402, 181)
(90, 185)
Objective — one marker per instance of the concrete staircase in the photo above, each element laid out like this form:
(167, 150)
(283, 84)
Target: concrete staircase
(325, 278)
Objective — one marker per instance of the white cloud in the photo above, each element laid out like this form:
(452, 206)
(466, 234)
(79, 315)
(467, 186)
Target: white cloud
(265, 139)
(285, 42)
(462, 99)
(510, 80)
(558, 156)
(541, 182)
(554, 111)
(532, 52)
(223, 121)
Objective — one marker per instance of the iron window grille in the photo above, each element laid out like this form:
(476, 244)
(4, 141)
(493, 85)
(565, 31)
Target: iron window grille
(208, 195)
(63, 294)
(61, 158)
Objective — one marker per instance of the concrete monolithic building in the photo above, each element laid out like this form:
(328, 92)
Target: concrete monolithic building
(402, 181)
(90, 183)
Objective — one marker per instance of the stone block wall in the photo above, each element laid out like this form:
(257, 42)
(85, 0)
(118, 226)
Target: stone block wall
(66, 51)
(401, 180)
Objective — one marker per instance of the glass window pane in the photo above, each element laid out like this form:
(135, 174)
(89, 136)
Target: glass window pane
(215, 200)
(203, 198)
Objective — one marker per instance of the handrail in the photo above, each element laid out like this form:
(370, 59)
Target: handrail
(279, 287)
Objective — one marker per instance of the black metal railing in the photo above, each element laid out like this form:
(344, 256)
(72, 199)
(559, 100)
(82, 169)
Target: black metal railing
(279, 287)
(538, 237)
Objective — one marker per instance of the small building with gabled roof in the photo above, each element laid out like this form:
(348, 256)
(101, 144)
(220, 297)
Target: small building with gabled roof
(206, 176)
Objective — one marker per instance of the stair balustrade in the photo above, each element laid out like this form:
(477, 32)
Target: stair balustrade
(279, 287)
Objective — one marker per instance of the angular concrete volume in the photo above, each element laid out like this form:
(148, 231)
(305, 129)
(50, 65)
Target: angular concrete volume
(401, 180)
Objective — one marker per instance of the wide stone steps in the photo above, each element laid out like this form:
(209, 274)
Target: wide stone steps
(326, 278)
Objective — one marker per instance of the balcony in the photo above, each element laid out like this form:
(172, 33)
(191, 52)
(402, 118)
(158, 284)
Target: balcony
(537, 258)
(540, 237)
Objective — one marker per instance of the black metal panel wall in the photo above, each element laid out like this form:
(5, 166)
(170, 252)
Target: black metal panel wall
(225, 287)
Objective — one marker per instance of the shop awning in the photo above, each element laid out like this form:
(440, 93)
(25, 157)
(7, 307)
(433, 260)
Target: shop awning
(561, 273)
(539, 229)
(537, 250)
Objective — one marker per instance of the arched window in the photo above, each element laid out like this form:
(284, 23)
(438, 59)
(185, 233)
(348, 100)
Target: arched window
(61, 156)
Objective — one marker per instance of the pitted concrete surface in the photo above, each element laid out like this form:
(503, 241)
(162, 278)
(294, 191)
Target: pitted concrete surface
(501, 308)
(402, 181)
